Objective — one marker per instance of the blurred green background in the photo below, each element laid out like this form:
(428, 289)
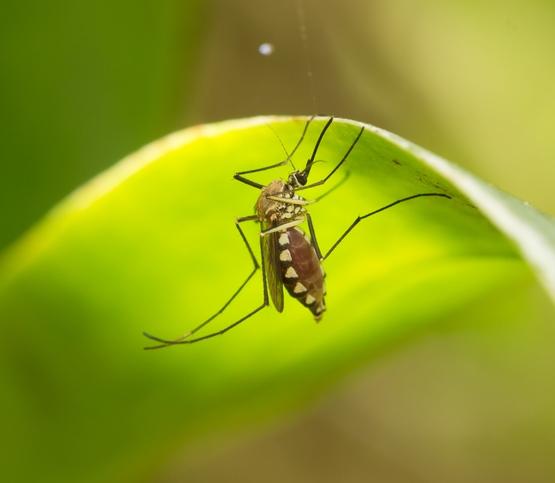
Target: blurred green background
(84, 83)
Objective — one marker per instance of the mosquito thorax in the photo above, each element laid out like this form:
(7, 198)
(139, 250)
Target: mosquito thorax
(274, 211)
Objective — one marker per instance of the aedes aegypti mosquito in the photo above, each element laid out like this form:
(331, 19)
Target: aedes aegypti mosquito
(288, 256)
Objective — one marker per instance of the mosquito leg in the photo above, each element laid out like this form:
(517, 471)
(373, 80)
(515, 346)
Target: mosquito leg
(265, 302)
(264, 168)
(322, 181)
(256, 266)
(239, 175)
(310, 162)
(313, 235)
(331, 190)
(390, 205)
(290, 201)
(248, 181)
(283, 226)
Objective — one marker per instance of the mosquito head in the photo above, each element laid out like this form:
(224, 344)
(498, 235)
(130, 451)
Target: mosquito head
(297, 178)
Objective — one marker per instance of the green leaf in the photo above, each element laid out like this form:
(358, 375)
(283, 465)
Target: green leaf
(150, 245)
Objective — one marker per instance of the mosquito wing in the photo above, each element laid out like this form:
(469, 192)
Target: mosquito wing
(273, 274)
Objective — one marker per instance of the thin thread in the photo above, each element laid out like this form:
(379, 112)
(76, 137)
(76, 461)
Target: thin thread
(306, 51)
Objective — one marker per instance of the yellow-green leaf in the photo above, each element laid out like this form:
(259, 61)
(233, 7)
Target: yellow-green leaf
(151, 245)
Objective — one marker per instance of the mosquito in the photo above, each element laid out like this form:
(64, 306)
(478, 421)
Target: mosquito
(289, 257)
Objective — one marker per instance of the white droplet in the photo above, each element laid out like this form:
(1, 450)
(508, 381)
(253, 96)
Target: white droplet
(266, 49)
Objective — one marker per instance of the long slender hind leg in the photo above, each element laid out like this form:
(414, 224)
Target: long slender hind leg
(184, 339)
(360, 218)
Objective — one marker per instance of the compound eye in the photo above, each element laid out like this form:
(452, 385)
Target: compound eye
(301, 178)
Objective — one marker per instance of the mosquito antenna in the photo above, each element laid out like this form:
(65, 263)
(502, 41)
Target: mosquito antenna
(290, 155)
(283, 146)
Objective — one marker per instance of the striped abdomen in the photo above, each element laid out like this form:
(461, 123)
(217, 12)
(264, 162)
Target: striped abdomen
(301, 271)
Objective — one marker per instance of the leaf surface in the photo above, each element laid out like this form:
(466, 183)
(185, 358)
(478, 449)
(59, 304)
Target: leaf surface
(151, 245)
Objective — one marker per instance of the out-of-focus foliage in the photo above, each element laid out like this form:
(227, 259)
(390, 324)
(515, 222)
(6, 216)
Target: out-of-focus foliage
(471, 80)
(139, 247)
(82, 84)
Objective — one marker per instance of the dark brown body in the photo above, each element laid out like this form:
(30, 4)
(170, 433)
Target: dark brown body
(308, 287)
